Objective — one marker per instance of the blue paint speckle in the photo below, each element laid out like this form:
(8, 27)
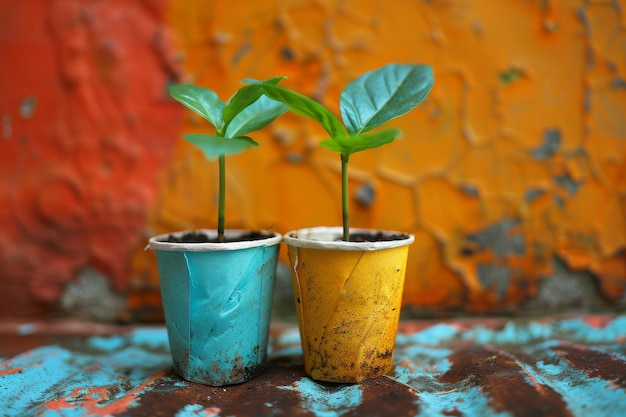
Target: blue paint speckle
(326, 401)
(106, 343)
(287, 344)
(470, 400)
(175, 382)
(194, 410)
(577, 329)
(53, 372)
(26, 329)
(512, 333)
(432, 335)
(573, 330)
(415, 361)
(581, 393)
(550, 145)
(154, 338)
(289, 337)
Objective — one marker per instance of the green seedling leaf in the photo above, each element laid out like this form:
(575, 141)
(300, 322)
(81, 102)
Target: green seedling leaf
(378, 96)
(256, 116)
(202, 100)
(213, 146)
(349, 145)
(243, 98)
(305, 106)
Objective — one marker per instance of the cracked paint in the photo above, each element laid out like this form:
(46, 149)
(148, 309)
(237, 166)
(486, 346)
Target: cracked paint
(525, 124)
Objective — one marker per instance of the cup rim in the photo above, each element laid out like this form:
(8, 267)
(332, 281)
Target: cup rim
(157, 243)
(329, 238)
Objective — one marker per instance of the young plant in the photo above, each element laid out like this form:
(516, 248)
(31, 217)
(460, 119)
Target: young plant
(246, 111)
(367, 102)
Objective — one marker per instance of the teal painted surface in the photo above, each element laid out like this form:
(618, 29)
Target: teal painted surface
(325, 400)
(62, 381)
(217, 308)
(547, 367)
(532, 346)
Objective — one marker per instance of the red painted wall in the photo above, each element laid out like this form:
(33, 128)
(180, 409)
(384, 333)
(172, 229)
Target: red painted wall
(86, 128)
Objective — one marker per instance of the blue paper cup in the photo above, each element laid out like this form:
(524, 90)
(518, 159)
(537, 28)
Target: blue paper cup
(217, 300)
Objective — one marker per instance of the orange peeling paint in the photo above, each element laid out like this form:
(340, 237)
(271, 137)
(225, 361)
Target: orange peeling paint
(11, 371)
(513, 140)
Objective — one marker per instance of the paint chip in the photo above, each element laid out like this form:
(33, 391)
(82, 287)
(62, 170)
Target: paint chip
(27, 107)
(365, 194)
(511, 75)
(91, 297)
(494, 277)
(499, 238)
(565, 181)
(7, 126)
(550, 145)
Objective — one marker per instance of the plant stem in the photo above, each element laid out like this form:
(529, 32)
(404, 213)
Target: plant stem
(222, 199)
(344, 197)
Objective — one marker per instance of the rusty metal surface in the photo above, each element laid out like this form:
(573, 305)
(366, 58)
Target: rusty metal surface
(559, 366)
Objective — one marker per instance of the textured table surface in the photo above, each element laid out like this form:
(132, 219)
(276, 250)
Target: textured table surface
(556, 366)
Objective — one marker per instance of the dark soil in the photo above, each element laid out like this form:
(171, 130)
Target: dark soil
(376, 237)
(200, 237)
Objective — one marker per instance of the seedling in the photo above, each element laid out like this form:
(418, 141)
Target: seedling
(246, 111)
(369, 101)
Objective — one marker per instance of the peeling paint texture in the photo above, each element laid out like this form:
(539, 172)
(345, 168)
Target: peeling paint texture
(514, 164)
(87, 123)
(567, 366)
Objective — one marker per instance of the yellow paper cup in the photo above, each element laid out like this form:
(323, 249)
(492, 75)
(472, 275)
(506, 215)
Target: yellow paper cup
(348, 297)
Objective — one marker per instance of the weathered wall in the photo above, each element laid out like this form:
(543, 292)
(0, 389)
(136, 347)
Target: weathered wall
(512, 175)
(86, 127)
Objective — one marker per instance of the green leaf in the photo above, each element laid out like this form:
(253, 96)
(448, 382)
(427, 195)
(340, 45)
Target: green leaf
(256, 116)
(349, 145)
(305, 106)
(378, 96)
(243, 98)
(213, 146)
(202, 100)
